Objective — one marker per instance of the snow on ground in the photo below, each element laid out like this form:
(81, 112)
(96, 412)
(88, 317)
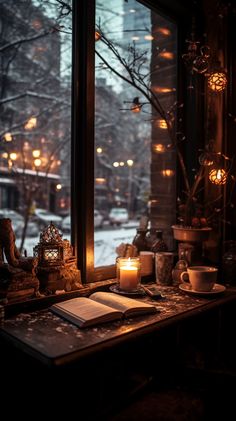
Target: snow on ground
(105, 243)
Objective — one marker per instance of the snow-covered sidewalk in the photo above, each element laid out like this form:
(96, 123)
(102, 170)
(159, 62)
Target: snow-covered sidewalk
(105, 243)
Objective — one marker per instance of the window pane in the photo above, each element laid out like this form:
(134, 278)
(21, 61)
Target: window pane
(134, 165)
(35, 72)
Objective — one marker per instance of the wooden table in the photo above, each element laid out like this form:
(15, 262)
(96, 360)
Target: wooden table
(54, 341)
(116, 358)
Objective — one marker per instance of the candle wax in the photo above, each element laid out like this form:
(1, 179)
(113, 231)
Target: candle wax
(128, 278)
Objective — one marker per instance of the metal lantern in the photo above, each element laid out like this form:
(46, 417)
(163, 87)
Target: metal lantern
(50, 249)
(217, 81)
(218, 176)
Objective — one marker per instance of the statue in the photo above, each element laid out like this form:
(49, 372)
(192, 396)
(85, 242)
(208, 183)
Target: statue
(17, 273)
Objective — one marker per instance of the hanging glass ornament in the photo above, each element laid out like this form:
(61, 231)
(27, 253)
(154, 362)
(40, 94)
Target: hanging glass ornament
(217, 81)
(218, 176)
(191, 54)
(195, 61)
(205, 51)
(206, 159)
(200, 64)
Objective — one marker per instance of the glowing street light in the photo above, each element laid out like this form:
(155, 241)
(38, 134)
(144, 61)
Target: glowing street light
(13, 156)
(8, 137)
(58, 187)
(31, 123)
(37, 162)
(36, 153)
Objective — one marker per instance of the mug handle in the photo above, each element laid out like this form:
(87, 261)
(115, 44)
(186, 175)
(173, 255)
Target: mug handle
(182, 276)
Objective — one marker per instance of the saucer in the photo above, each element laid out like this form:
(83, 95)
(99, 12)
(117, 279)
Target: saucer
(217, 289)
(136, 293)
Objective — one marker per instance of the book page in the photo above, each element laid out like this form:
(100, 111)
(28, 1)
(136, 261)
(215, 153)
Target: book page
(128, 306)
(85, 312)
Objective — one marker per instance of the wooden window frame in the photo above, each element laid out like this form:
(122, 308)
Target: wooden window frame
(83, 109)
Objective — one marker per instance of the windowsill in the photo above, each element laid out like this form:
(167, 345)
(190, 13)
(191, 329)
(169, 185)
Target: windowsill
(37, 303)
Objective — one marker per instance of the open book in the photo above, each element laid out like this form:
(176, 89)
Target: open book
(100, 307)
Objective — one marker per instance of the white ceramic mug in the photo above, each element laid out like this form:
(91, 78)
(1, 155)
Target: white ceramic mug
(201, 278)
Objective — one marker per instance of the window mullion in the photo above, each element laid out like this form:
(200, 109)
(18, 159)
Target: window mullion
(83, 136)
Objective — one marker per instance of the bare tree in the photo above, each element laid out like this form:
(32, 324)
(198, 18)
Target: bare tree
(34, 87)
(131, 68)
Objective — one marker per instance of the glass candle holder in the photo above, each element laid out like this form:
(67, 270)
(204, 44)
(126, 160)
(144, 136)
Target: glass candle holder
(128, 273)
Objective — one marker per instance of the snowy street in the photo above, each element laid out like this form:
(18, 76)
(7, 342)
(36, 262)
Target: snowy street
(106, 241)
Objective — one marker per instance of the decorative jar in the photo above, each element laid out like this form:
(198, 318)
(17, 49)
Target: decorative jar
(128, 273)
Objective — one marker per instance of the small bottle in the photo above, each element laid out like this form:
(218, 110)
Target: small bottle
(140, 240)
(181, 266)
(150, 237)
(159, 244)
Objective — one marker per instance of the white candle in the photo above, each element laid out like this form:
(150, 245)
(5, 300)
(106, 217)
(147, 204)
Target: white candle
(128, 278)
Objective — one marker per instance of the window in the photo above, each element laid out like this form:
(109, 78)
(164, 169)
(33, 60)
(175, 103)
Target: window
(35, 74)
(121, 165)
(136, 53)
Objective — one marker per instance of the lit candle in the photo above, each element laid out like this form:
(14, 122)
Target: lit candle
(51, 254)
(128, 278)
(128, 273)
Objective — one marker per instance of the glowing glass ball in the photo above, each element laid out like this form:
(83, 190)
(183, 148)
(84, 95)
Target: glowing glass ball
(217, 81)
(218, 176)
